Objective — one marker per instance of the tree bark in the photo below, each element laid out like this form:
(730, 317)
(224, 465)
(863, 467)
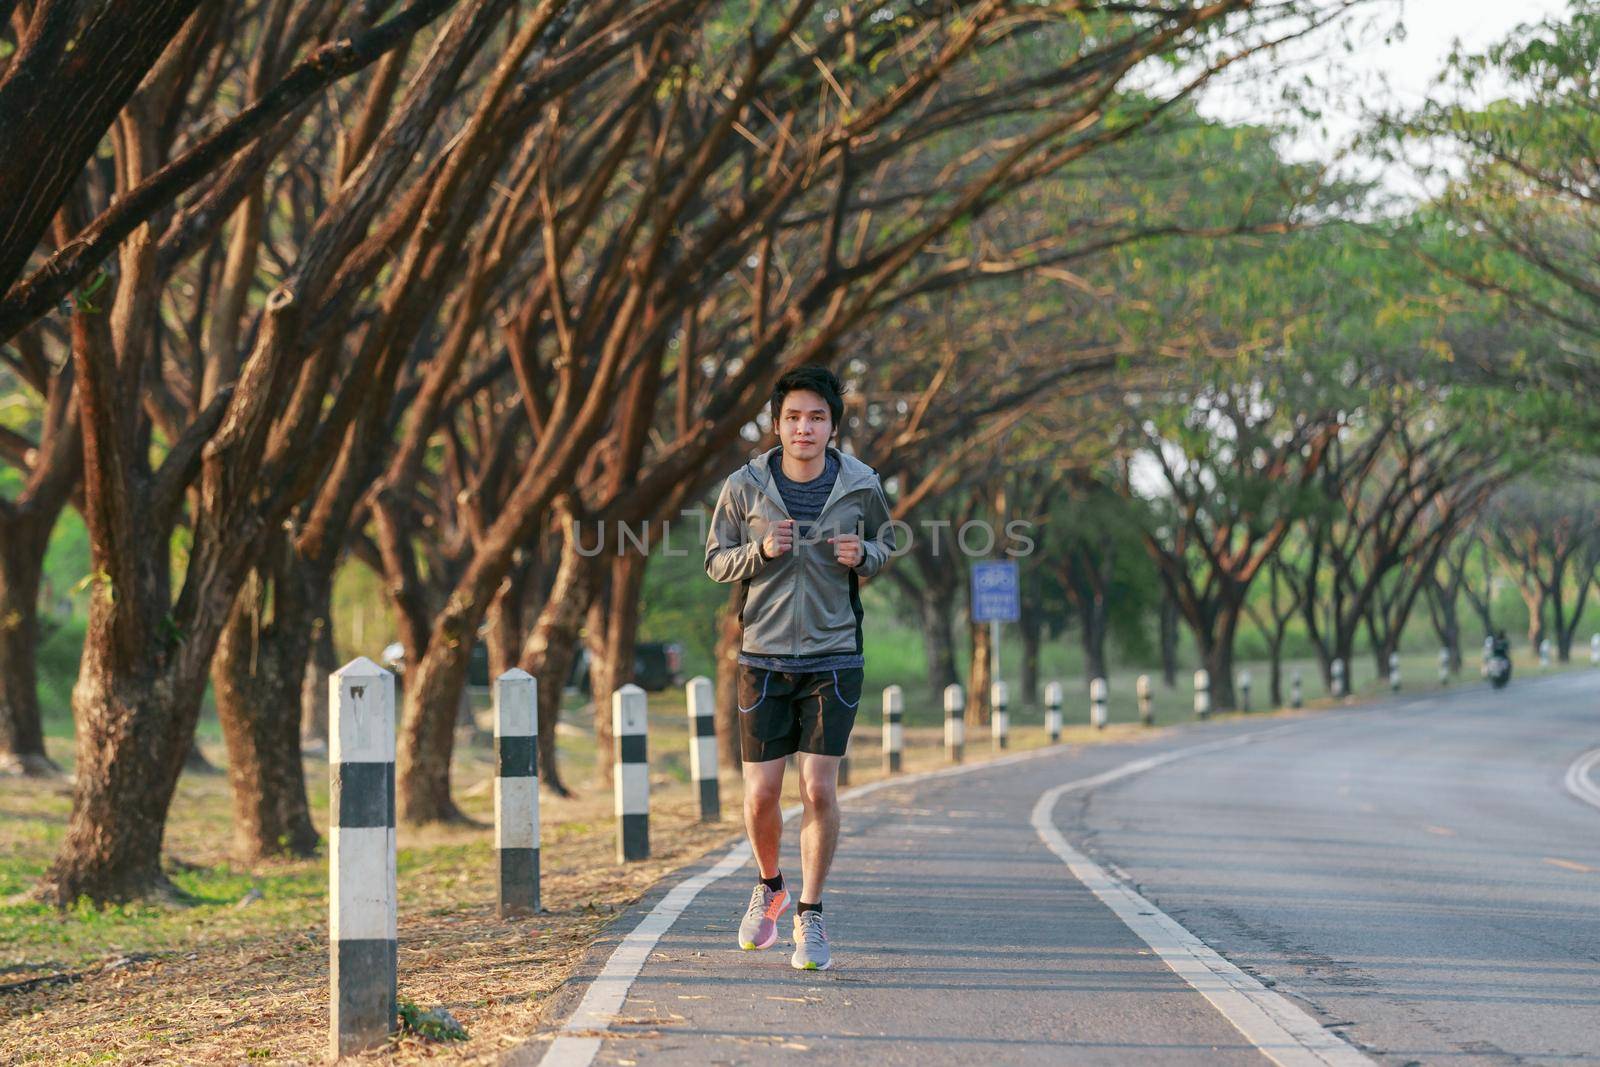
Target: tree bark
(938, 639)
(1092, 628)
(22, 546)
(552, 646)
(257, 676)
(59, 94)
(1030, 628)
(613, 635)
(1275, 650)
(1216, 652)
(314, 688)
(978, 676)
(422, 766)
(1169, 640)
(134, 732)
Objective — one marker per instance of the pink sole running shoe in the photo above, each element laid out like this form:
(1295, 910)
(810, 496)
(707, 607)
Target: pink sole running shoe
(760, 926)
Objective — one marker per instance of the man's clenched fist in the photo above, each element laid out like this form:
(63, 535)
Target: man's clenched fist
(779, 539)
(846, 548)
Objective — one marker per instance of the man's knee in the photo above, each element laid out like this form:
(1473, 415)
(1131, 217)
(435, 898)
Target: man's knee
(820, 795)
(762, 793)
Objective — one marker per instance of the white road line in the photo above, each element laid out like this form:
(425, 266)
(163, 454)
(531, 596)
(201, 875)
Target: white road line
(578, 1040)
(1277, 1027)
(1579, 782)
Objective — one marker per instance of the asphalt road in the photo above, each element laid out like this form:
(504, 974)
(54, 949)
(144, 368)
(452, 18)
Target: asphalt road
(1411, 875)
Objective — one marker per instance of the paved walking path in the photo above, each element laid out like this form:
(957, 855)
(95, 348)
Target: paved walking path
(960, 936)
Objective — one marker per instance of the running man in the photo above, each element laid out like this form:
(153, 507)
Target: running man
(798, 528)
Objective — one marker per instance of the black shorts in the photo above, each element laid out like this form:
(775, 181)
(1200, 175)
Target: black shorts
(783, 713)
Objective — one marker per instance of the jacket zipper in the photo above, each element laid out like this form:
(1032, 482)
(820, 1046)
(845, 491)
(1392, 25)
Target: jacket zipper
(799, 561)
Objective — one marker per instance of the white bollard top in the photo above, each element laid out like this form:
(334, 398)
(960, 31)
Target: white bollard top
(361, 713)
(1202, 679)
(628, 710)
(1097, 689)
(516, 705)
(702, 695)
(955, 698)
(893, 699)
(1053, 695)
(997, 694)
(1244, 679)
(1141, 685)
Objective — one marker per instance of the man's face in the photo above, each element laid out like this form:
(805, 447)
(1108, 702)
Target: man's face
(804, 424)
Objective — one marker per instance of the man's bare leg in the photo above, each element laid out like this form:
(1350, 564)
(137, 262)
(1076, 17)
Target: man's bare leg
(819, 829)
(763, 812)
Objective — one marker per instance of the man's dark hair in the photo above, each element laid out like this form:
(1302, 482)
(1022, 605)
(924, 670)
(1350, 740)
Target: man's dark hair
(819, 380)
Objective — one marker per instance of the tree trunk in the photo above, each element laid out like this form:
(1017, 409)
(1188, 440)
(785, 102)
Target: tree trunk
(1534, 597)
(728, 635)
(613, 634)
(1030, 629)
(323, 661)
(1569, 627)
(1446, 619)
(504, 631)
(551, 647)
(1169, 641)
(979, 677)
(22, 547)
(1275, 650)
(427, 737)
(134, 732)
(938, 639)
(1378, 642)
(257, 675)
(1092, 619)
(1217, 653)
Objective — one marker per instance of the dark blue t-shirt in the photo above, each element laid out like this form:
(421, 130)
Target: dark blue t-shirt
(804, 500)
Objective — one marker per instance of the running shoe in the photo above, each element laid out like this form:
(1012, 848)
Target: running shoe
(810, 943)
(760, 926)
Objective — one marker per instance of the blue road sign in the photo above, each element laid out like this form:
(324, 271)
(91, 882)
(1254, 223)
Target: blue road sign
(995, 597)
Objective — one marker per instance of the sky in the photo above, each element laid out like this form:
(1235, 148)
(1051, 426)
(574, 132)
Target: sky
(1396, 74)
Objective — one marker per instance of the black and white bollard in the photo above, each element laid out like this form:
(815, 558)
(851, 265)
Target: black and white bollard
(955, 724)
(1097, 703)
(1296, 697)
(999, 717)
(894, 734)
(1444, 666)
(516, 791)
(1594, 650)
(361, 857)
(1052, 711)
(1544, 654)
(1394, 672)
(1147, 710)
(1244, 690)
(631, 773)
(703, 746)
(1202, 693)
(1337, 671)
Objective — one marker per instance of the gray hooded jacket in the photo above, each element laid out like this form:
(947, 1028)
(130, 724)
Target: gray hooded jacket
(804, 602)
